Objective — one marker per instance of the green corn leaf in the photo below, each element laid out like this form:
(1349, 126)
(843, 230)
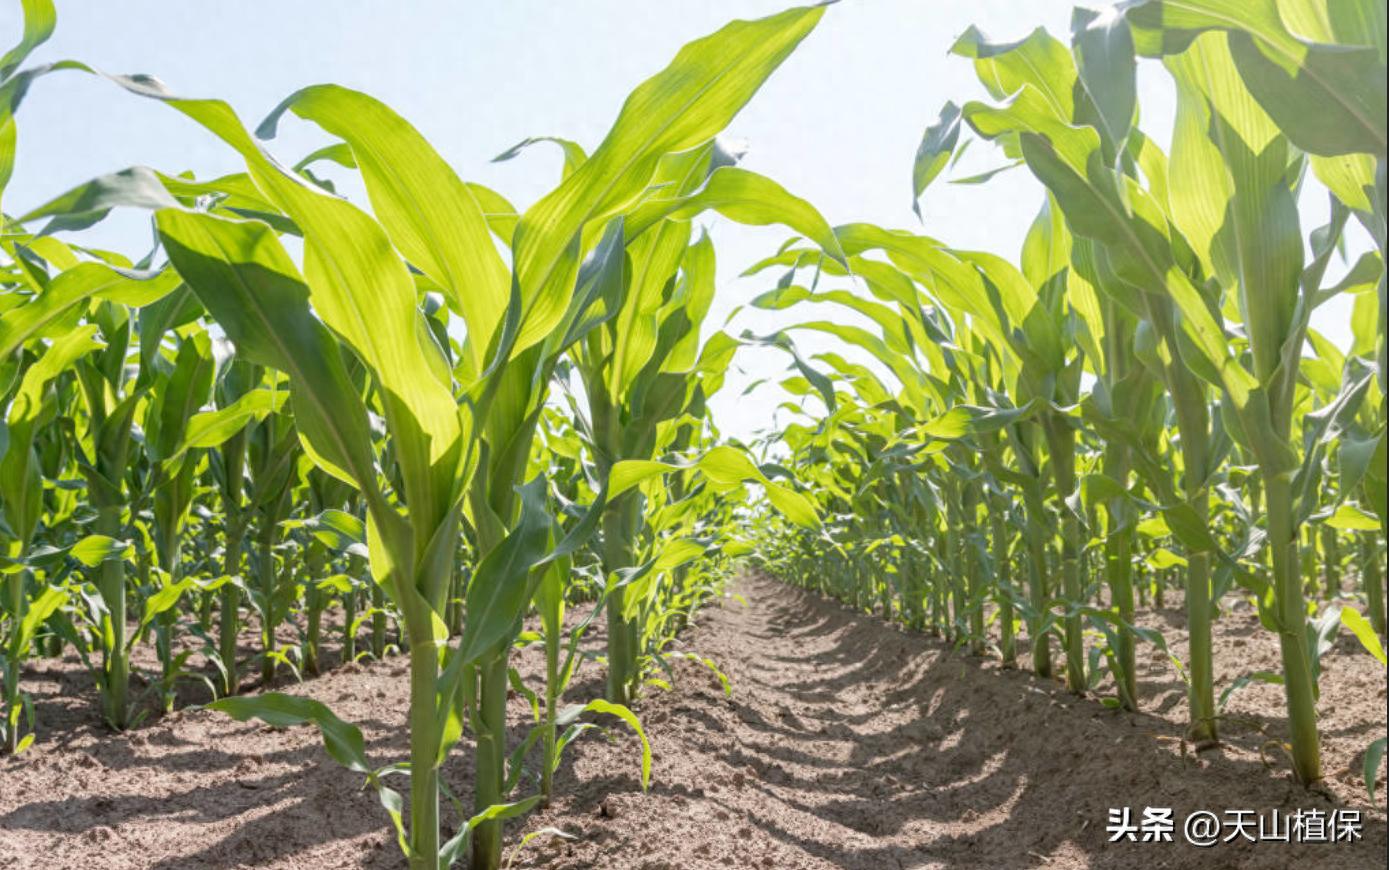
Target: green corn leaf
(95, 549)
(1188, 527)
(934, 152)
(696, 295)
(1163, 558)
(212, 428)
(1229, 196)
(20, 490)
(502, 585)
(338, 529)
(1107, 69)
(981, 177)
(40, 18)
(727, 468)
(1321, 76)
(680, 107)
(432, 217)
(76, 285)
(365, 294)
(247, 281)
(457, 845)
(1354, 455)
(343, 740)
(44, 605)
(1038, 61)
(747, 198)
(1374, 754)
(1266, 677)
(177, 397)
(89, 203)
(163, 601)
(598, 705)
(574, 153)
(1349, 517)
(1361, 628)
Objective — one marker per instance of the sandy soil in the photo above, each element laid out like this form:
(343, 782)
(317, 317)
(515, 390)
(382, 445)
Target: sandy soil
(846, 743)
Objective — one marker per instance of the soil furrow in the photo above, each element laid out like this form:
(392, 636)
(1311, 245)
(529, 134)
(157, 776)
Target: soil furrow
(846, 743)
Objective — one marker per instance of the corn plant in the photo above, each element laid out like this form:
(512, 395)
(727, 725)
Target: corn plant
(450, 463)
(228, 464)
(643, 372)
(31, 406)
(437, 411)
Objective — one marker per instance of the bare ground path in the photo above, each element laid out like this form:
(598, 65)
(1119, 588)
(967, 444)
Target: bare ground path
(846, 743)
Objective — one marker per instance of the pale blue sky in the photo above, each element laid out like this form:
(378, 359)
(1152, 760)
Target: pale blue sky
(838, 124)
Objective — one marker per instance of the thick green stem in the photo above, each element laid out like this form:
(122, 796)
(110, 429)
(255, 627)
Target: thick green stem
(552, 693)
(1120, 568)
(619, 531)
(1061, 439)
(1372, 581)
(974, 576)
(349, 634)
(315, 566)
(1307, 559)
(491, 760)
(1192, 412)
(679, 585)
(116, 657)
(229, 619)
(12, 714)
(1118, 553)
(357, 566)
(454, 618)
(233, 455)
(937, 588)
(1075, 593)
(1201, 691)
(913, 590)
(1193, 418)
(1299, 686)
(1331, 562)
(424, 748)
(1037, 596)
(313, 631)
(266, 573)
(1003, 581)
(955, 590)
(885, 590)
(171, 562)
(378, 621)
(619, 650)
(18, 605)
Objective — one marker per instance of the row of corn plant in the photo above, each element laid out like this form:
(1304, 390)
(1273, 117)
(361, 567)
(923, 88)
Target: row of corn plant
(1215, 424)
(370, 430)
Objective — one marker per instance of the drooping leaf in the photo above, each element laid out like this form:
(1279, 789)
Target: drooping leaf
(343, 740)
